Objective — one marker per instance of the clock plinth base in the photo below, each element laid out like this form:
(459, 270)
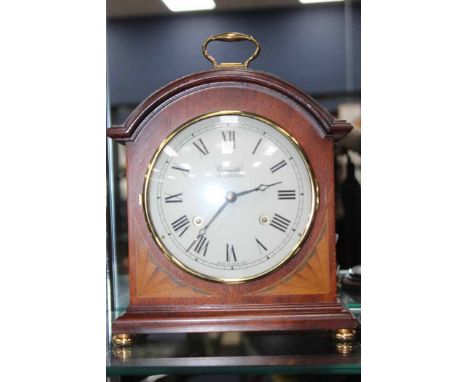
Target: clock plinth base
(271, 317)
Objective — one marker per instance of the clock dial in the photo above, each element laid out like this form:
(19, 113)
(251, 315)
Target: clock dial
(229, 197)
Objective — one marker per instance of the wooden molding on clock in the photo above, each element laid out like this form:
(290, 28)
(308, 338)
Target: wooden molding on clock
(240, 317)
(331, 127)
(299, 295)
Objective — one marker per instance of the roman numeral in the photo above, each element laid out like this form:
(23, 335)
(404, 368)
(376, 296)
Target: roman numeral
(181, 224)
(176, 198)
(229, 252)
(280, 222)
(260, 245)
(277, 166)
(201, 245)
(256, 146)
(229, 141)
(286, 194)
(180, 169)
(201, 146)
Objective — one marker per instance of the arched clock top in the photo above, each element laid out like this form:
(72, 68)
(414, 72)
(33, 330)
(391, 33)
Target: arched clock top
(331, 127)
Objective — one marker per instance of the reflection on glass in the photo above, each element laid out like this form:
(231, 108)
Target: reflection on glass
(256, 164)
(170, 151)
(270, 150)
(186, 166)
(214, 194)
(229, 119)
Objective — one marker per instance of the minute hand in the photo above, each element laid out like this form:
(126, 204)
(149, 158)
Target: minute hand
(203, 230)
(262, 187)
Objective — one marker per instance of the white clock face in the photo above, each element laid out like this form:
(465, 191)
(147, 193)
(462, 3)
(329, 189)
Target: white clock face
(229, 197)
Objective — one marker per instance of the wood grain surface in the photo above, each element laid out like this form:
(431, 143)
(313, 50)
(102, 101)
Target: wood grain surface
(301, 294)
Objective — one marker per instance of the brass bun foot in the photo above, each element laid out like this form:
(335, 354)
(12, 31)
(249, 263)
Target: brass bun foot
(122, 339)
(345, 334)
(122, 353)
(344, 348)
(344, 338)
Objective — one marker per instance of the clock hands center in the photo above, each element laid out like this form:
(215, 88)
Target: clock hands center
(231, 197)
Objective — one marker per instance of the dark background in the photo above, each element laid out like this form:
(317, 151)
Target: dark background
(316, 47)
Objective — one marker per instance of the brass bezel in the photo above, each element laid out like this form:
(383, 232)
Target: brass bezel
(312, 179)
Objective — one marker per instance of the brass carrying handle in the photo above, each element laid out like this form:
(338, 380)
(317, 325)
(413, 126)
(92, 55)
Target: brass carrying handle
(230, 37)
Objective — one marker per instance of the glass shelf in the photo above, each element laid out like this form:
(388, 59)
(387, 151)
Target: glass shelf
(234, 352)
(314, 352)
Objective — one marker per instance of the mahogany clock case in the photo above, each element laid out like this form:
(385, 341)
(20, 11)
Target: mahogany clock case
(302, 293)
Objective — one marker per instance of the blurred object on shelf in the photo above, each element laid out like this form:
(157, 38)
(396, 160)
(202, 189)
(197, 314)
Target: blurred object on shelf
(352, 280)
(351, 112)
(348, 189)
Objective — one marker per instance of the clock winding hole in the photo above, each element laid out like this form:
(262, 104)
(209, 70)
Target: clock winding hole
(198, 221)
(264, 219)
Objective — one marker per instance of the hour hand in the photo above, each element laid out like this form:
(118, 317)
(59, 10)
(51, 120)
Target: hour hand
(262, 187)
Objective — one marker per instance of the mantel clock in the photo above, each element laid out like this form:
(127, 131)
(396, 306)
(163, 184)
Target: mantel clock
(231, 207)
